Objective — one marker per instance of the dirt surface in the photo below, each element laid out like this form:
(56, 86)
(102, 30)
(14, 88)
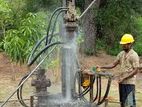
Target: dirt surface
(11, 73)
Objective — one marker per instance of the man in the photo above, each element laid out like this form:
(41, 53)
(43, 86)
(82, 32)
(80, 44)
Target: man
(129, 63)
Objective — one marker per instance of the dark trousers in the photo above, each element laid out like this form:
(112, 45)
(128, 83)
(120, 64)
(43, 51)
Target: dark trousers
(126, 90)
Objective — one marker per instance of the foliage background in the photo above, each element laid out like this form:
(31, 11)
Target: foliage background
(24, 22)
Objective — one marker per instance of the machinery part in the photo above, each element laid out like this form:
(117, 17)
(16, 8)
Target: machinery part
(70, 16)
(19, 91)
(89, 88)
(41, 83)
(85, 80)
(61, 9)
(78, 77)
(24, 80)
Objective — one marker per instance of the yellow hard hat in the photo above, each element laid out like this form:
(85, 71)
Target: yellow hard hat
(127, 38)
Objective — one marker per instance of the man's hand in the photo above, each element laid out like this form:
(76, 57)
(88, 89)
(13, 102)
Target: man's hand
(98, 68)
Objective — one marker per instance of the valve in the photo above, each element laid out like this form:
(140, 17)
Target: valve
(41, 82)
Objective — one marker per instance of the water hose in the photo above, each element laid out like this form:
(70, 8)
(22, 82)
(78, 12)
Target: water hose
(61, 9)
(43, 50)
(19, 93)
(55, 25)
(106, 93)
(97, 86)
(36, 46)
(48, 28)
(100, 88)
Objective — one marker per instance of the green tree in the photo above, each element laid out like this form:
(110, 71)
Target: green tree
(116, 18)
(5, 16)
(20, 29)
(19, 42)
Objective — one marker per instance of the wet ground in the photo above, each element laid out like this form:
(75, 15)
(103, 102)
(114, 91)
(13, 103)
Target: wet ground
(10, 75)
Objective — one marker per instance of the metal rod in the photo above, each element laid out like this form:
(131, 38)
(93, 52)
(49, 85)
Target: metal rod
(87, 9)
(32, 101)
(91, 88)
(25, 80)
(14, 100)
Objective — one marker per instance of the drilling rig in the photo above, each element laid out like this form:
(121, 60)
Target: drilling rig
(70, 96)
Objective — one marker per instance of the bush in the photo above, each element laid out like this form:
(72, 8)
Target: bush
(19, 41)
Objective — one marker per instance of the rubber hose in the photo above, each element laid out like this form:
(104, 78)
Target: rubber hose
(100, 89)
(48, 28)
(97, 85)
(36, 46)
(19, 93)
(55, 24)
(106, 93)
(44, 49)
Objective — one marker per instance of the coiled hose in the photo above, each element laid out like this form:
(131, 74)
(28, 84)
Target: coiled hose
(98, 88)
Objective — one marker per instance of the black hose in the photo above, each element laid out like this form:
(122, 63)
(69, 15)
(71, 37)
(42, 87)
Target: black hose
(19, 93)
(84, 92)
(55, 25)
(43, 50)
(36, 46)
(97, 85)
(48, 28)
(100, 88)
(106, 93)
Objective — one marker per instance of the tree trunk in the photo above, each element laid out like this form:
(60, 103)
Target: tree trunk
(90, 29)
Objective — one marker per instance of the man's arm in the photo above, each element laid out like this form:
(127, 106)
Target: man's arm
(110, 66)
(134, 72)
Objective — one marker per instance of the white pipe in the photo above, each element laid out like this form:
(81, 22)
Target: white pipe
(87, 9)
